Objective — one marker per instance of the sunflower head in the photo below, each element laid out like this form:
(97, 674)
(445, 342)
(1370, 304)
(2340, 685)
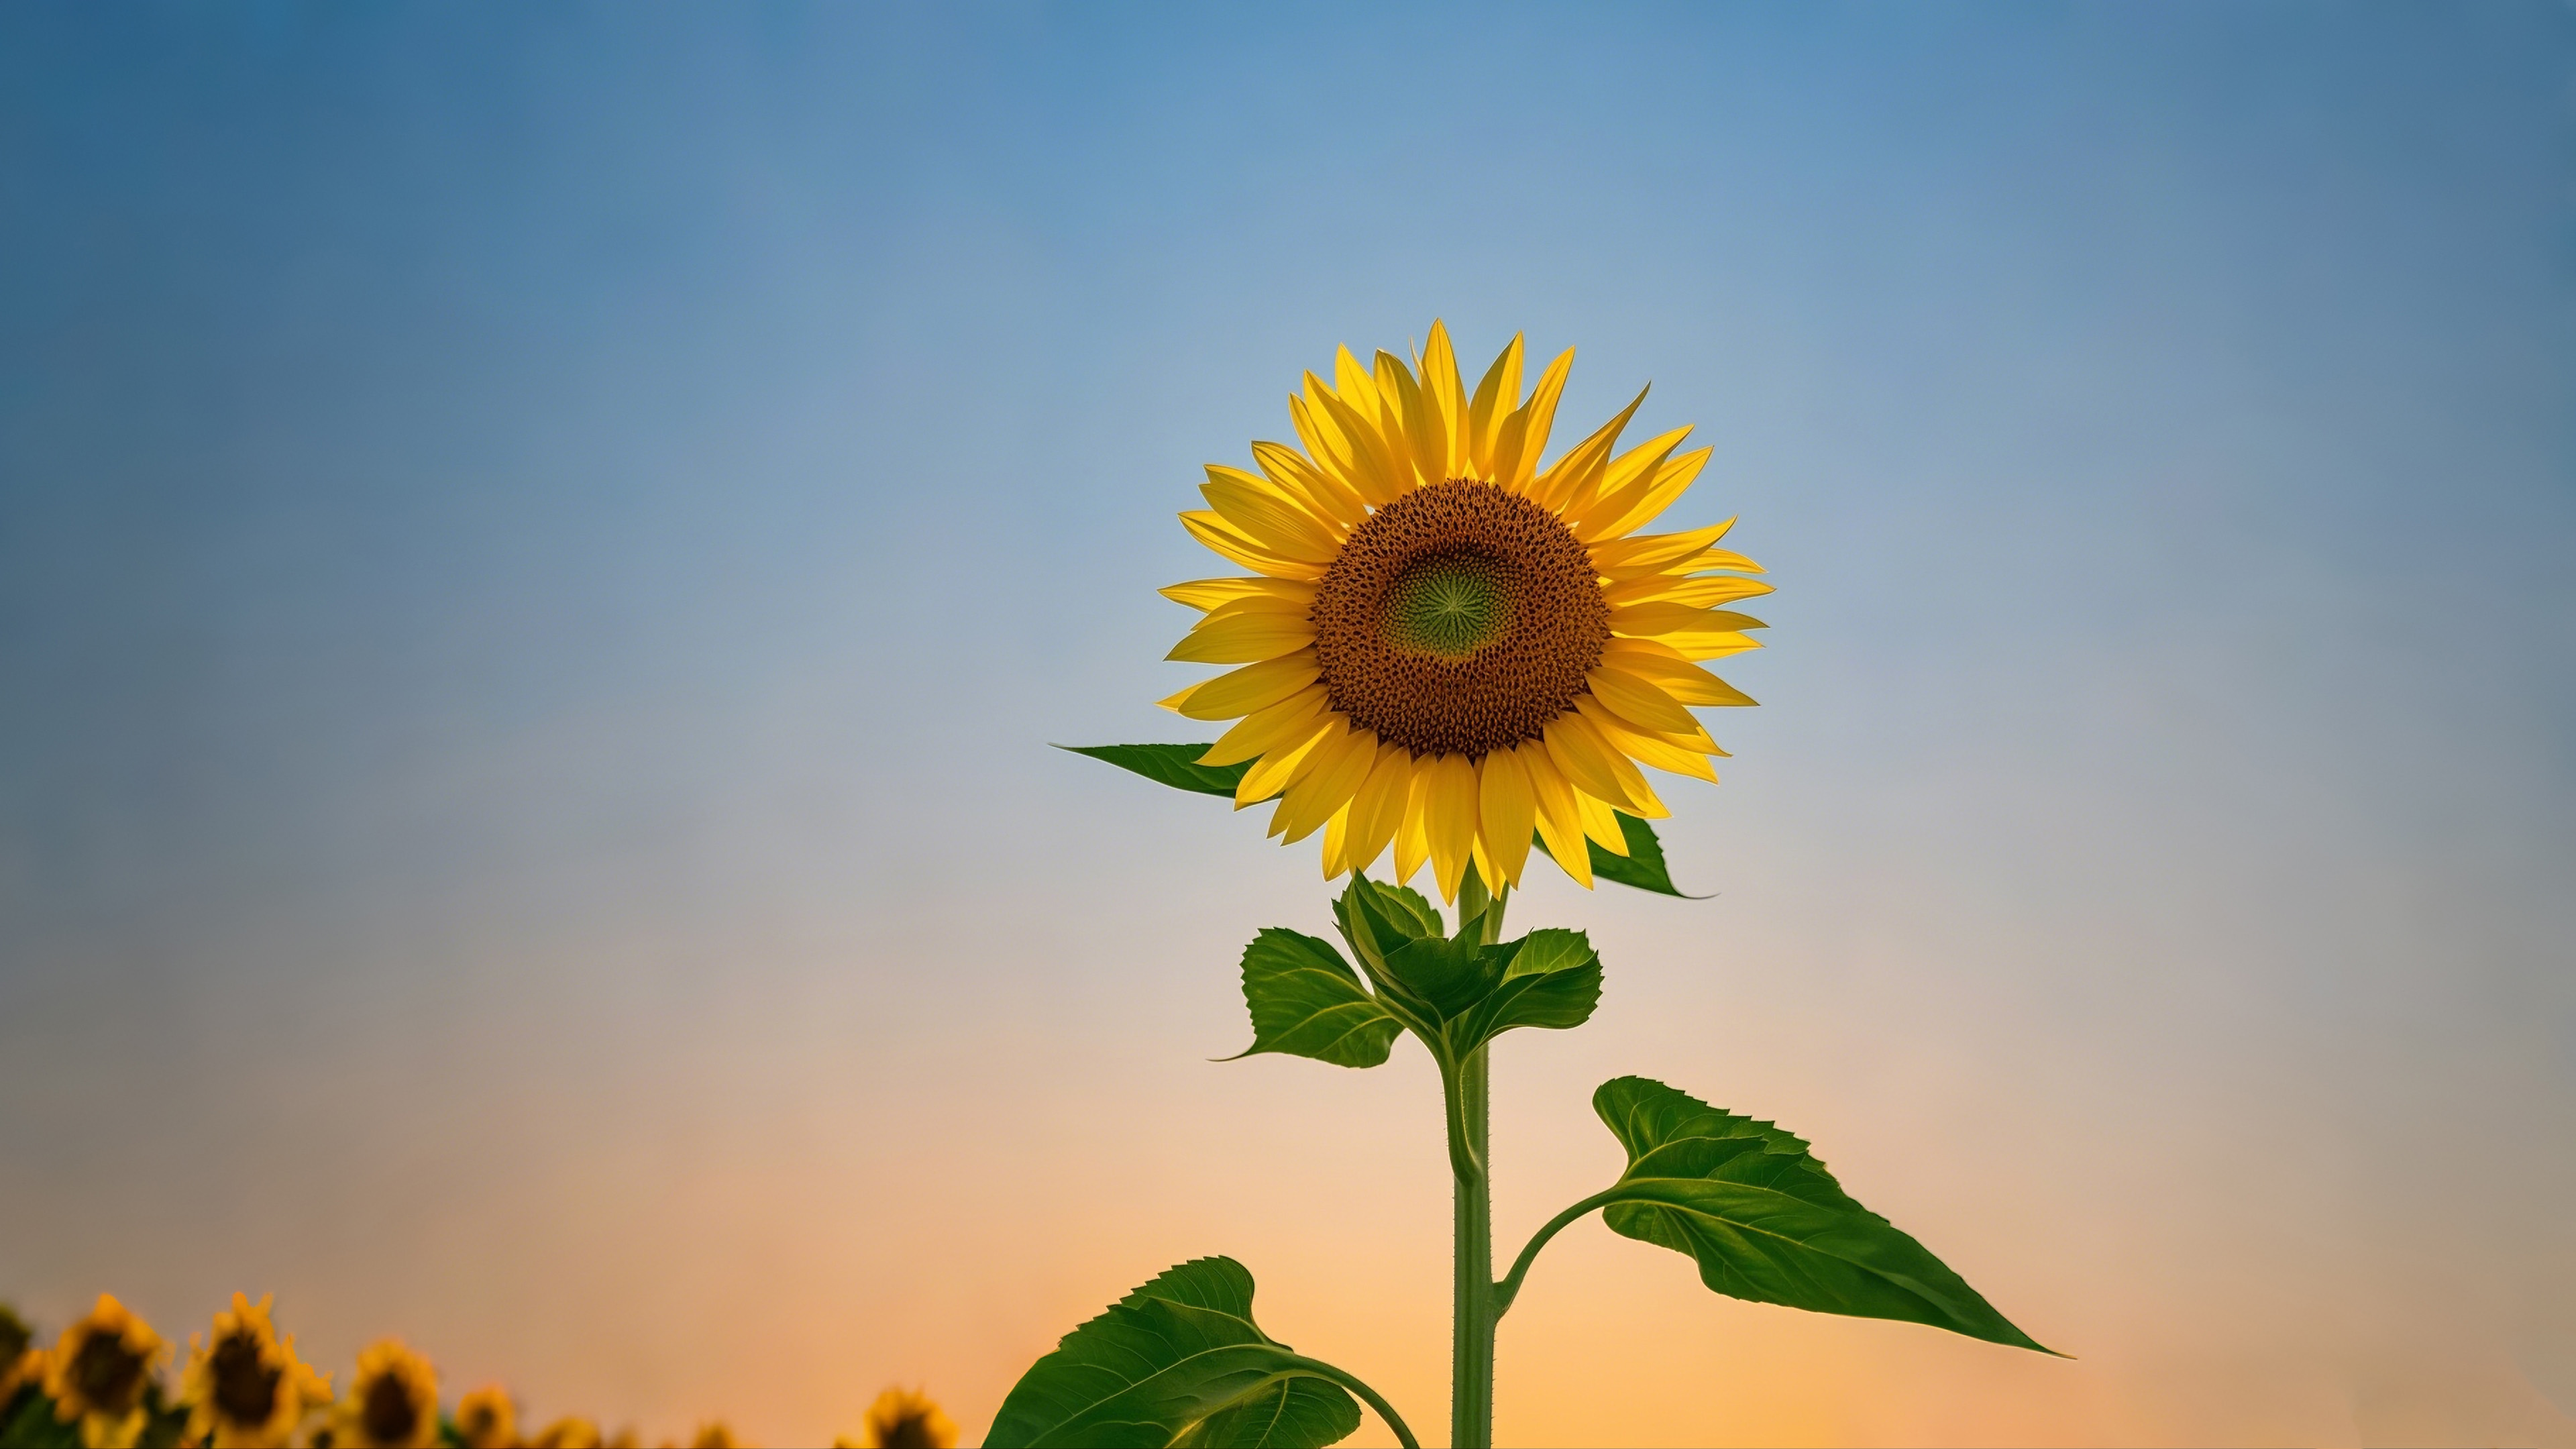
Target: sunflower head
(907, 1419)
(100, 1372)
(487, 1419)
(714, 1434)
(244, 1386)
(392, 1403)
(21, 1362)
(569, 1433)
(1445, 648)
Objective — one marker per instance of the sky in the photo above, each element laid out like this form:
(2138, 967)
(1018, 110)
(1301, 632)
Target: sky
(542, 550)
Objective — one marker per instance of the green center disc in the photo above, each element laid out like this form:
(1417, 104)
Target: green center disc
(1449, 605)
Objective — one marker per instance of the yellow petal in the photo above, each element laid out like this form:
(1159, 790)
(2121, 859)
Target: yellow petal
(1412, 831)
(1646, 553)
(1529, 439)
(1578, 473)
(1705, 592)
(1210, 528)
(1448, 399)
(1424, 450)
(1329, 495)
(1324, 442)
(1645, 747)
(1263, 730)
(1373, 468)
(1709, 646)
(1560, 821)
(1268, 517)
(1649, 620)
(1497, 394)
(1328, 784)
(1449, 813)
(1670, 482)
(1624, 486)
(1670, 672)
(1601, 823)
(1243, 638)
(1597, 767)
(1337, 842)
(1506, 812)
(1209, 593)
(1240, 692)
(1633, 698)
(1378, 808)
(1481, 864)
(1270, 774)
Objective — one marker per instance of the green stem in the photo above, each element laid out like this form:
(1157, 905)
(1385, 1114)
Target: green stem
(1322, 1370)
(1510, 1287)
(1474, 1310)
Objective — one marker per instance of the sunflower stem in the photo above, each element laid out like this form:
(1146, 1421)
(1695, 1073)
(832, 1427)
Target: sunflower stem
(1471, 1358)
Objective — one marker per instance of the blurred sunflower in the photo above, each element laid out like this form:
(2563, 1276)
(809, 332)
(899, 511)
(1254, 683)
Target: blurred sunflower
(22, 1364)
(903, 1419)
(569, 1433)
(715, 1434)
(486, 1418)
(99, 1372)
(393, 1402)
(244, 1388)
(1445, 646)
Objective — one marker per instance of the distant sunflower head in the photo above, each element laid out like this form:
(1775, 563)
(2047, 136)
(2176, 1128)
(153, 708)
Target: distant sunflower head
(1445, 648)
(100, 1371)
(244, 1388)
(907, 1419)
(21, 1362)
(714, 1434)
(392, 1403)
(569, 1433)
(487, 1419)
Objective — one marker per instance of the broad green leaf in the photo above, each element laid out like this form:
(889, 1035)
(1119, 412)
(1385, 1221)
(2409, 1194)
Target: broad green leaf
(1643, 865)
(1289, 1412)
(31, 1422)
(1307, 1001)
(1766, 1221)
(1167, 1364)
(1550, 979)
(1173, 765)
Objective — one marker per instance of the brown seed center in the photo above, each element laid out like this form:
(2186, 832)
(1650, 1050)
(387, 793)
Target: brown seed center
(108, 1374)
(391, 1416)
(1459, 619)
(245, 1383)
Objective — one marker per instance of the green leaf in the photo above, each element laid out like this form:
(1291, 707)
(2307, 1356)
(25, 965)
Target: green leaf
(1643, 865)
(1307, 1001)
(1767, 1222)
(1550, 979)
(31, 1423)
(1175, 1361)
(1292, 1411)
(1173, 765)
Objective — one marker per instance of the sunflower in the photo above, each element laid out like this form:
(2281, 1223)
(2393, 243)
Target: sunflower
(714, 1434)
(487, 1419)
(393, 1402)
(904, 1419)
(246, 1387)
(569, 1433)
(22, 1364)
(1445, 646)
(99, 1373)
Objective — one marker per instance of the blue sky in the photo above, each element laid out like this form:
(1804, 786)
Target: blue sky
(540, 550)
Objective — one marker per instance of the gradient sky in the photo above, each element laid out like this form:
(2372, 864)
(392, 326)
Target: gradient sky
(541, 549)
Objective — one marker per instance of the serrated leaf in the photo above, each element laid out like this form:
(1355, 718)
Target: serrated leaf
(1766, 1221)
(1642, 867)
(1549, 979)
(1172, 1360)
(1173, 765)
(1306, 1001)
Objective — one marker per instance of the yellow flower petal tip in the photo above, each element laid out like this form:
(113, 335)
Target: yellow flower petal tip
(1445, 647)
